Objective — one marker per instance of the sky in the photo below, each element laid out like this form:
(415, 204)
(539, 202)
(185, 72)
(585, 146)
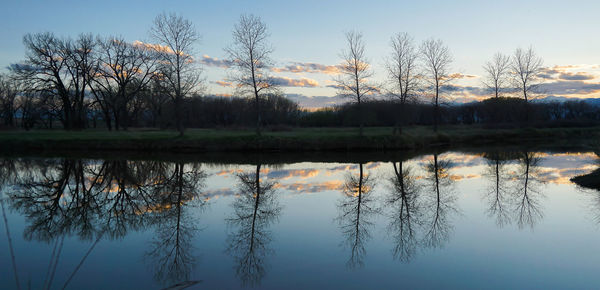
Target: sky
(311, 34)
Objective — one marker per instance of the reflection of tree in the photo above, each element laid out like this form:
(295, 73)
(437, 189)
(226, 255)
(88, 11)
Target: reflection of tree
(93, 200)
(405, 212)
(356, 211)
(439, 205)
(56, 202)
(255, 209)
(177, 193)
(496, 193)
(527, 206)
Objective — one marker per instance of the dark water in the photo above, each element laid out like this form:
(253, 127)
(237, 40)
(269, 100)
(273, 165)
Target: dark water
(451, 220)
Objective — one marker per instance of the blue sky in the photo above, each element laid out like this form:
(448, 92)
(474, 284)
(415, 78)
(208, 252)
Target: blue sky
(563, 33)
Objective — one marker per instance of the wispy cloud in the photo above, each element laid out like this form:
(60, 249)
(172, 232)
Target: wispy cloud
(289, 82)
(215, 62)
(308, 67)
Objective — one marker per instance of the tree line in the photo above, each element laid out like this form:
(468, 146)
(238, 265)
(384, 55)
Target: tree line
(94, 81)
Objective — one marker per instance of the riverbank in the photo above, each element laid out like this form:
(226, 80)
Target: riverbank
(293, 140)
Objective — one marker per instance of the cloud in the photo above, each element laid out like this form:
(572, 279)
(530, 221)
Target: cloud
(215, 62)
(462, 76)
(308, 67)
(153, 46)
(580, 76)
(570, 87)
(289, 82)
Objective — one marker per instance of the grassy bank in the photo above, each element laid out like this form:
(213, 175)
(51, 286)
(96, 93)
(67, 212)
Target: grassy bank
(294, 140)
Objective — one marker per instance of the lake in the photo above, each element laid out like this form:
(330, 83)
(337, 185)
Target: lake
(457, 219)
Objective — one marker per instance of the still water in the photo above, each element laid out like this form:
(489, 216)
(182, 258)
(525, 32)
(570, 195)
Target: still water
(448, 220)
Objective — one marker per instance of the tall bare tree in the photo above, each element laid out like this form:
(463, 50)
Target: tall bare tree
(179, 72)
(526, 67)
(123, 69)
(250, 56)
(496, 73)
(403, 72)
(437, 59)
(355, 72)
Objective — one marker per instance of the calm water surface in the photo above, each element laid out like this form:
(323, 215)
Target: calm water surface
(450, 220)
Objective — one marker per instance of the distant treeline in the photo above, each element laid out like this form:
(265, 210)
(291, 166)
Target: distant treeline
(279, 112)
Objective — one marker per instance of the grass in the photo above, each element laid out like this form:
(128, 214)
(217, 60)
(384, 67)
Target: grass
(297, 139)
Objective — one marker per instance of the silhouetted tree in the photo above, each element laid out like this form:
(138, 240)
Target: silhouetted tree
(526, 67)
(497, 71)
(355, 72)
(9, 88)
(436, 61)
(178, 71)
(60, 68)
(403, 73)
(123, 69)
(250, 56)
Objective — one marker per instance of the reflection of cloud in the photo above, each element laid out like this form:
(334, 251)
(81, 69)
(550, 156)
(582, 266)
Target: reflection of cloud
(301, 173)
(299, 188)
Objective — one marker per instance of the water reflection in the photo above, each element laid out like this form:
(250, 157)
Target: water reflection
(439, 203)
(405, 212)
(528, 210)
(254, 211)
(356, 210)
(497, 192)
(93, 200)
(178, 189)
(165, 205)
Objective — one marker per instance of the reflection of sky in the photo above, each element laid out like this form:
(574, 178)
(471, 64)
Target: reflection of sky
(308, 178)
(561, 251)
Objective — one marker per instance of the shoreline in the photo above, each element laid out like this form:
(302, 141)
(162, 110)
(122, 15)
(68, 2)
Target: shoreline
(294, 141)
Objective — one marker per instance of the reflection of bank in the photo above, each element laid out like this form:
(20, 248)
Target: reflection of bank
(255, 209)
(106, 200)
(356, 210)
(590, 180)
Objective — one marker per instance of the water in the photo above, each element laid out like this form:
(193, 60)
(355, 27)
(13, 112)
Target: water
(449, 220)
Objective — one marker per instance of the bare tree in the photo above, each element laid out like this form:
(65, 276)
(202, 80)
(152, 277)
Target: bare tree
(403, 72)
(437, 60)
(179, 72)
(496, 73)
(59, 68)
(526, 67)
(353, 81)
(250, 56)
(123, 69)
